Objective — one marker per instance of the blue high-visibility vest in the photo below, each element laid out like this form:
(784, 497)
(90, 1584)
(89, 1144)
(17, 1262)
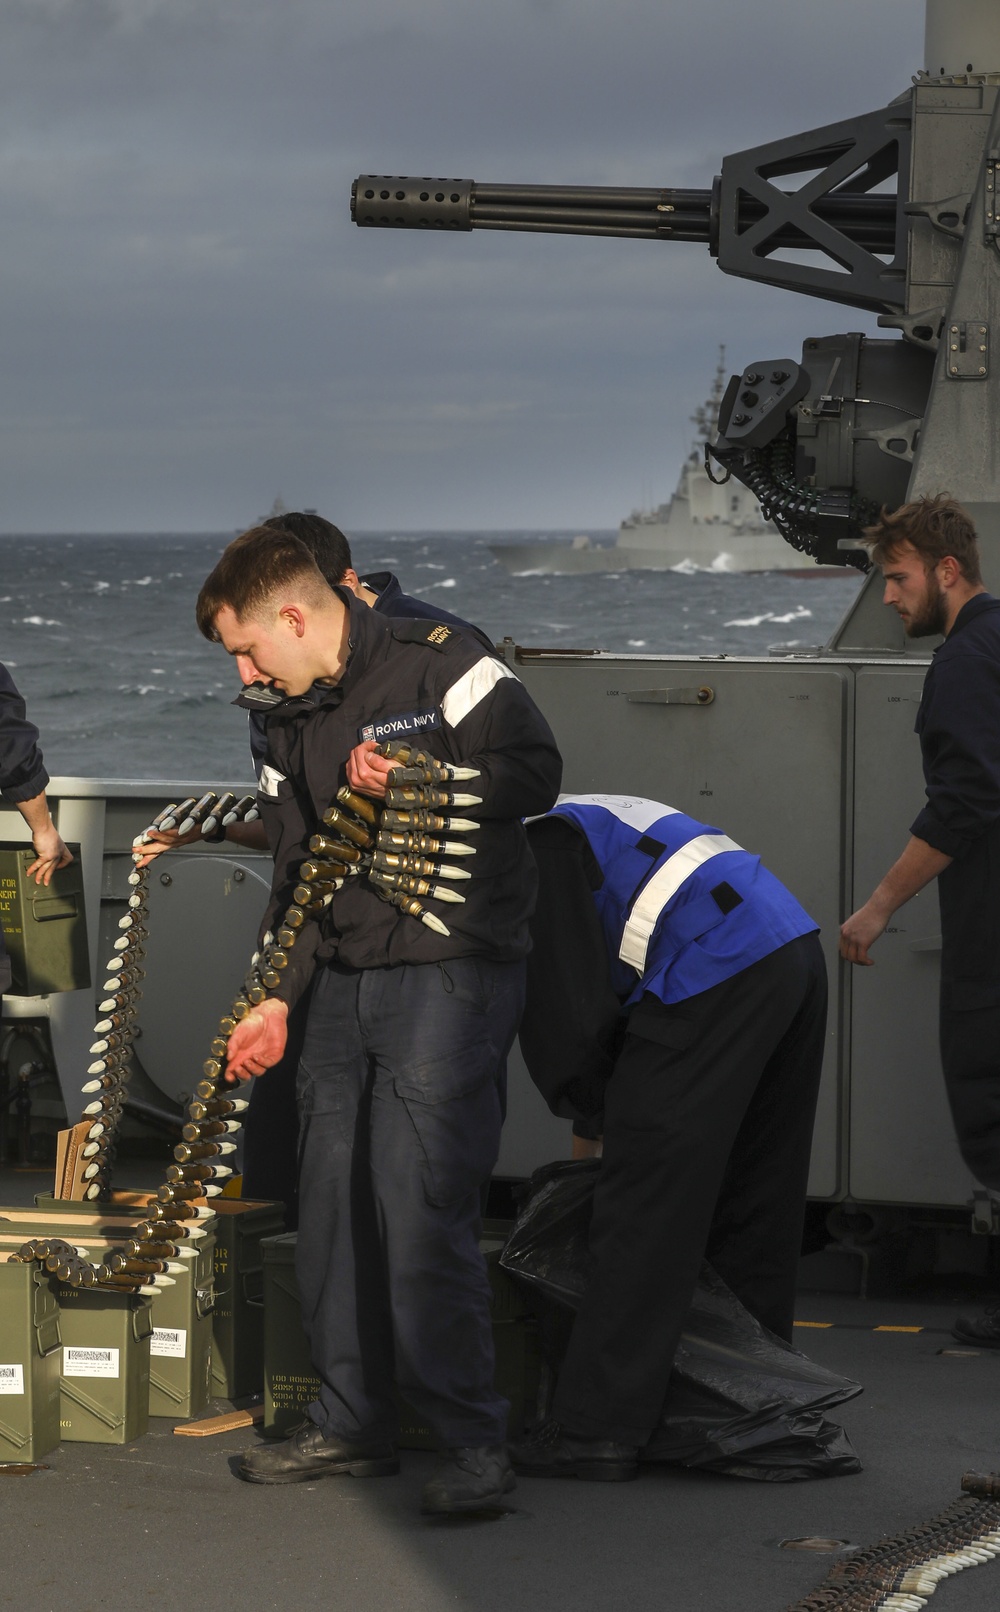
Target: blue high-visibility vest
(682, 906)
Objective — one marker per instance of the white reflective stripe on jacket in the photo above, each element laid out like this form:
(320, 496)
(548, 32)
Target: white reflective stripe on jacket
(661, 889)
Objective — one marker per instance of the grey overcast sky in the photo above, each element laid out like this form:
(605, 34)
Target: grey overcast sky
(190, 325)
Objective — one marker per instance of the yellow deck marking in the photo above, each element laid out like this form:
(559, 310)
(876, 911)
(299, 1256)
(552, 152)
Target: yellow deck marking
(897, 1329)
(819, 1325)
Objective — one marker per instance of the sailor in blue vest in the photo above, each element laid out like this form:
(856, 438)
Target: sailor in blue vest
(676, 984)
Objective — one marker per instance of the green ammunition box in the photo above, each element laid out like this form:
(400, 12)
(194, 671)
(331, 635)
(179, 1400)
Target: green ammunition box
(238, 1314)
(104, 1386)
(290, 1380)
(45, 926)
(181, 1343)
(180, 1349)
(30, 1357)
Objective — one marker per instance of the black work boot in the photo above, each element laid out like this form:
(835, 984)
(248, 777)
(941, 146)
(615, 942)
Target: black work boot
(981, 1330)
(307, 1455)
(551, 1451)
(470, 1479)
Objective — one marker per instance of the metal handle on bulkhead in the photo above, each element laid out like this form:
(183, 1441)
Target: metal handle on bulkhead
(670, 696)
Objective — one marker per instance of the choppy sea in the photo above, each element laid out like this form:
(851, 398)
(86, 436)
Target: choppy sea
(99, 632)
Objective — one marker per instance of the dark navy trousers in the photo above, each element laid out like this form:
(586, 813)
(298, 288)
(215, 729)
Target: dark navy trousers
(708, 1122)
(401, 1095)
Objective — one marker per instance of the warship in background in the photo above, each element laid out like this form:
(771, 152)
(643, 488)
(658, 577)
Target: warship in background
(708, 525)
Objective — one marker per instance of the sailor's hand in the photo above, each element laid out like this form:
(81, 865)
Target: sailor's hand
(258, 1041)
(50, 853)
(147, 847)
(862, 930)
(368, 770)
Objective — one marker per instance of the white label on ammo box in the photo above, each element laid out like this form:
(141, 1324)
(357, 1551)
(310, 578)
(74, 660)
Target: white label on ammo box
(169, 1341)
(80, 1362)
(11, 1379)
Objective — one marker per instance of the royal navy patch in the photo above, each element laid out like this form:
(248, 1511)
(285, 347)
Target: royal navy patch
(398, 727)
(415, 631)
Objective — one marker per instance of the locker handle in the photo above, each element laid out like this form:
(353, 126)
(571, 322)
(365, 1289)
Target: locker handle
(670, 696)
(930, 943)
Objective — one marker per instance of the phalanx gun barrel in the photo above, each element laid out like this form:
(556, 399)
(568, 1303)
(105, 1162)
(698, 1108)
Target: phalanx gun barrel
(390, 201)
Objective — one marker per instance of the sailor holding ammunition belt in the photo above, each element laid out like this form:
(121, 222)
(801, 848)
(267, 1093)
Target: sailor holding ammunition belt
(675, 983)
(415, 998)
(270, 1156)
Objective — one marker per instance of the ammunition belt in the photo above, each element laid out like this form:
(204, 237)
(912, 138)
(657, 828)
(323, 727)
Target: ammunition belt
(900, 1572)
(398, 848)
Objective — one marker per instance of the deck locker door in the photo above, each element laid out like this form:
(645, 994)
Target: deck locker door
(903, 1147)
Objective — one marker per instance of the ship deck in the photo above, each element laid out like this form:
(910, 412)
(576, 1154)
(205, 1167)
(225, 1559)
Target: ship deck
(164, 1522)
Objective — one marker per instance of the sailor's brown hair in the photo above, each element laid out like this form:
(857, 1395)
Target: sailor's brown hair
(936, 526)
(254, 571)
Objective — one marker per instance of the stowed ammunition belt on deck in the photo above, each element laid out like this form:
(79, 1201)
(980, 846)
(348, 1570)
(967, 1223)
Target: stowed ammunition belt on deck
(397, 845)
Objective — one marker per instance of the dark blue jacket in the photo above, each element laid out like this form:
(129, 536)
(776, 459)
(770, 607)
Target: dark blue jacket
(412, 677)
(22, 772)
(958, 724)
(391, 601)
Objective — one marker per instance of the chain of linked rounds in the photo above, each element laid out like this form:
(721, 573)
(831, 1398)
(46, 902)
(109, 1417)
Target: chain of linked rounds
(397, 846)
(900, 1573)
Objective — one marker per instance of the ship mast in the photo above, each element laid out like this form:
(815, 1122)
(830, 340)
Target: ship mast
(705, 418)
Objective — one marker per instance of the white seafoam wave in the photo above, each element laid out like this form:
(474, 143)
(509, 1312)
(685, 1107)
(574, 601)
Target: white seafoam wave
(758, 621)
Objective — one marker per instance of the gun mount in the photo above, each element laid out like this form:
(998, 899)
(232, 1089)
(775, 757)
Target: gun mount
(854, 235)
(892, 212)
(855, 231)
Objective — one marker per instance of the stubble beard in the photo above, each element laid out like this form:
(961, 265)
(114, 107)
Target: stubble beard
(929, 620)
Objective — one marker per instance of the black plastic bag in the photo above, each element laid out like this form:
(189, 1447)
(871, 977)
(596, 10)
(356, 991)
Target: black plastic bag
(740, 1400)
